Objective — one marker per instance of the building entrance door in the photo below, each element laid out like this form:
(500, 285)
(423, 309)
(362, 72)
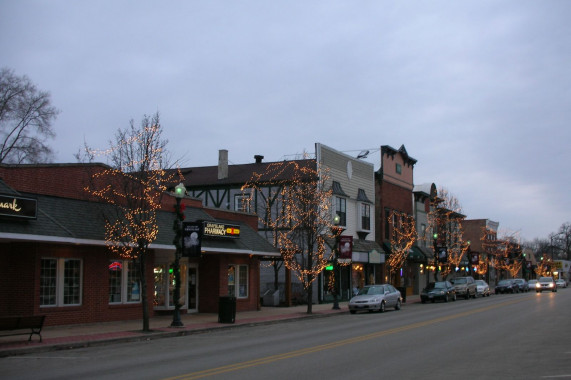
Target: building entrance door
(192, 301)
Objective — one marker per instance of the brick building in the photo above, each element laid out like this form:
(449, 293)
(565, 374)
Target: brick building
(54, 259)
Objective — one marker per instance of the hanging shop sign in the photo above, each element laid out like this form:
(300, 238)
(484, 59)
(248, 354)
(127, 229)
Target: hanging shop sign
(18, 207)
(221, 230)
(192, 233)
(345, 247)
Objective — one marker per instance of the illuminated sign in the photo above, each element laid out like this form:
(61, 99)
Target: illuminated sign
(214, 229)
(18, 207)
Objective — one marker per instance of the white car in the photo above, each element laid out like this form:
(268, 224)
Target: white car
(482, 288)
(561, 283)
(545, 283)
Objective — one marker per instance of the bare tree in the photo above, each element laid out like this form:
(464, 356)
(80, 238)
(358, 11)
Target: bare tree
(26, 115)
(133, 185)
(562, 242)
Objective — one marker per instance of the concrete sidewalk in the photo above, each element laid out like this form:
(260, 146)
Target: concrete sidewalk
(86, 335)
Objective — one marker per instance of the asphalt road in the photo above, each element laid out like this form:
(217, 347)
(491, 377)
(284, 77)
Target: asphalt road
(519, 336)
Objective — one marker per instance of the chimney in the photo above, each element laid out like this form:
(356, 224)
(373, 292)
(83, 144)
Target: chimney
(258, 158)
(222, 164)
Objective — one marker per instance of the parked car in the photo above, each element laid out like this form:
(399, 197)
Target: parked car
(507, 286)
(531, 284)
(376, 297)
(522, 284)
(561, 283)
(465, 287)
(482, 288)
(545, 283)
(440, 290)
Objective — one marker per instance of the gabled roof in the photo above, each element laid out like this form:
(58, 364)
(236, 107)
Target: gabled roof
(207, 176)
(388, 150)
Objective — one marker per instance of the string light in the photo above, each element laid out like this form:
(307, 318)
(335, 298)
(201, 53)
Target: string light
(293, 204)
(134, 187)
(402, 237)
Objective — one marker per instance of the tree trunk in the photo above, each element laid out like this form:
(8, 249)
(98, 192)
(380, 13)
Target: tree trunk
(144, 299)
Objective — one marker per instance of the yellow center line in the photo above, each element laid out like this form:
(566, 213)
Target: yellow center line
(329, 346)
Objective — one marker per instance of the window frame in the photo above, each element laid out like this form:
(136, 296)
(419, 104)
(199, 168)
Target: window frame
(239, 201)
(126, 292)
(59, 283)
(365, 208)
(239, 287)
(341, 202)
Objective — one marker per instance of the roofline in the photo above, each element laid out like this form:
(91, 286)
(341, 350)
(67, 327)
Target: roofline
(76, 241)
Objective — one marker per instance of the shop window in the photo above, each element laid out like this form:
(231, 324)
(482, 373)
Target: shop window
(60, 282)
(124, 282)
(165, 285)
(238, 281)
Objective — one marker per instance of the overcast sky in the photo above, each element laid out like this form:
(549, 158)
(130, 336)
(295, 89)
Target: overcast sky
(479, 92)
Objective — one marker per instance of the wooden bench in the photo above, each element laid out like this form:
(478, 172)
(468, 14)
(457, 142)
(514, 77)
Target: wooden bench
(33, 323)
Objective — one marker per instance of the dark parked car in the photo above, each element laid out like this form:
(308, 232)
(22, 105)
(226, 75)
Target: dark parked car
(546, 283)
(507, 286)
(440, 290)
(522, 284)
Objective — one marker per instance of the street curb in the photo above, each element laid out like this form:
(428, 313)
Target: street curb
(158, 334)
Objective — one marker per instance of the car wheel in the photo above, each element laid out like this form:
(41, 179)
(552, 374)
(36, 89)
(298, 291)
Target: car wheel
(382, 307)
(423, 301)
(454, 297)
(398, 305)
(352, 311)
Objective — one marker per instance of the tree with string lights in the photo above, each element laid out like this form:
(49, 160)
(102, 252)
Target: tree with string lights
(402, 229)
(132, 186)
(302, 218)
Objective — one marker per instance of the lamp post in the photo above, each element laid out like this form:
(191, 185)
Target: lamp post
(337, 231)
(179, 191)
(436, 258)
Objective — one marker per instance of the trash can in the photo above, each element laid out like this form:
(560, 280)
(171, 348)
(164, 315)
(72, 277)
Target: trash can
(227, 309)
(402, 291)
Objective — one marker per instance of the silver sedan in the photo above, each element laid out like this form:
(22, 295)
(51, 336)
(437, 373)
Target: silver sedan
(482, 288)
(375, 298)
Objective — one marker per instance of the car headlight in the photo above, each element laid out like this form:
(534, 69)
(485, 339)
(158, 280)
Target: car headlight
(551, 285)
(538, 285)
(441, 292)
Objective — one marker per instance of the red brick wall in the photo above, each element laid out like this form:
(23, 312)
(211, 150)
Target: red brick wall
(20, 291)
(213, 282)
(393, 197)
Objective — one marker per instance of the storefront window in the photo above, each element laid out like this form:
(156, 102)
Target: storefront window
(165, 284)
(124, 282)
(160, 278)
(115, 276)
(60, 282)
(238, 281)
(133, 282)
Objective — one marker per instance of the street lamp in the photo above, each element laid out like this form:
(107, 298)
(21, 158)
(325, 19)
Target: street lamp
(337, 231)
(179, 192)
